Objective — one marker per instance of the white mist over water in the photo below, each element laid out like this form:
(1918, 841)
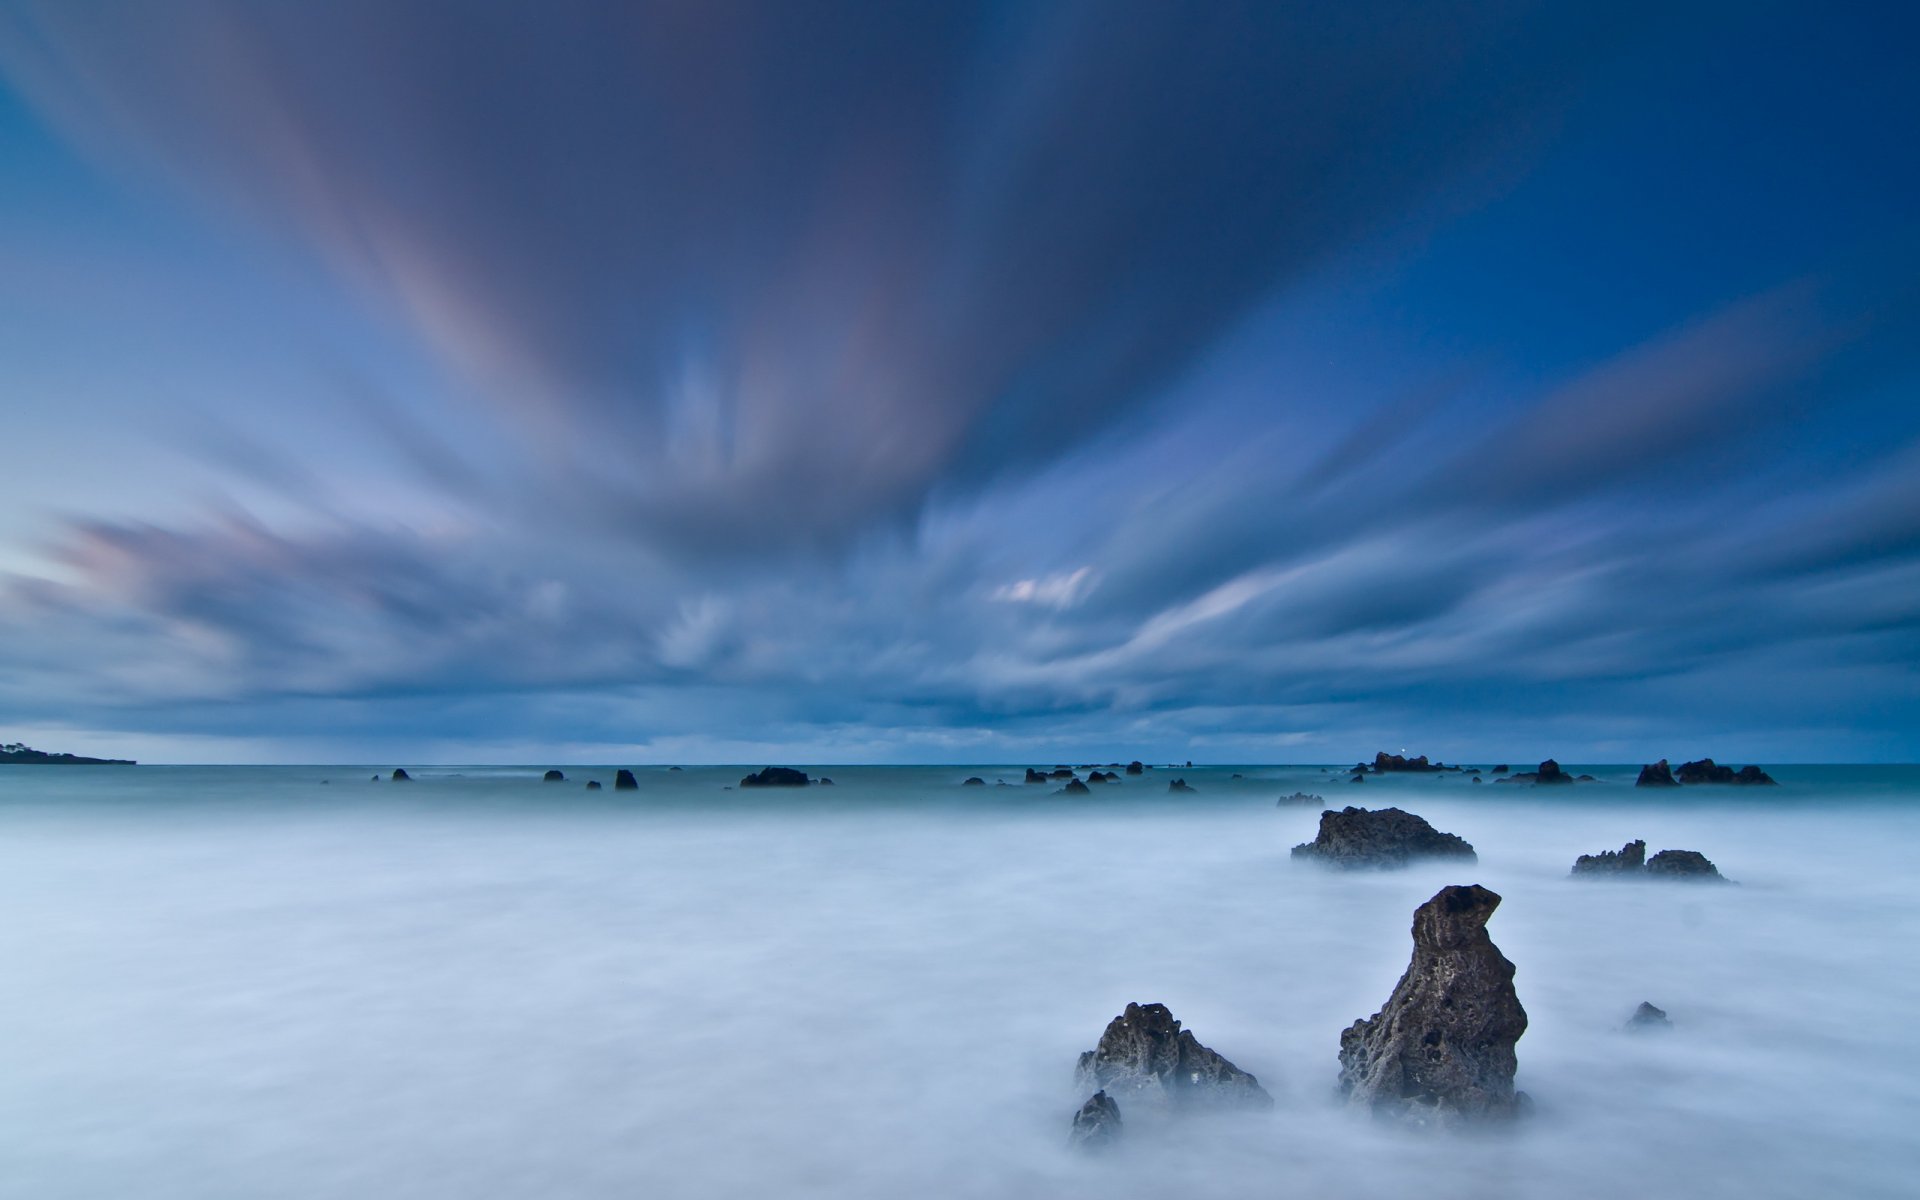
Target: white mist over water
(240, 982)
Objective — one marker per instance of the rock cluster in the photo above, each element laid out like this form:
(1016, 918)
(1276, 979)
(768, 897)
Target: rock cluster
(1300, 798)
(1034, 776)
(1708, 771)
(1549, 772)
(776, 777)
(1442, 1049)
(1630, 859)
(1145, 1057)
(1384, 763)
(1180, 785)
(1384, 837)
(1631, 862)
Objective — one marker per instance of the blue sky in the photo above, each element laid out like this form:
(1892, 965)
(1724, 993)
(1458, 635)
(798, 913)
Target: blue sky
(860, 382)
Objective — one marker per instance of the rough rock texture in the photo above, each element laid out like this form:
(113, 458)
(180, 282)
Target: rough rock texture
(1145, 1056)
(553, 777)
(623, 781)
(1441, 1050)
(776, 777)
(1656, 775)
(1683, 864)
(1300, 798)
(1384, 837)
(1629, 859)
(1648, 1019)
(1097, 1125)
(1707, 771)
(400, 775)
(974, 781)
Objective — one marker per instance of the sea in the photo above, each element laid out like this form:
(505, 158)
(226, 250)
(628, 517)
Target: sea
(230, 983)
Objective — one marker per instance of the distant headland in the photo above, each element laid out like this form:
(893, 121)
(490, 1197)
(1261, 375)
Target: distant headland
(18, 754)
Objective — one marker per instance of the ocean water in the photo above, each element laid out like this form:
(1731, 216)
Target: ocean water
(292, 982)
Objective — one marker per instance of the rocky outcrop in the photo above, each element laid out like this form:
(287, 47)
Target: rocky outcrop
(1630, 859)
(623, 781)
(1656, 775)
(1103, 777)
(19, 754)
(1384, 763)
(1683, 864)
(1549, 773)
(1180, 785)
(1384, 837)
(1096, 1126)
(1300, 798)
(553, 777)
(776, 777)
(1647, 1019)
(1707, 771)
(1135, 767)
(400, 775)
(974, 781)
(1034, 776)
(1074, 788)
(1145, 1057)
(1441, 1050)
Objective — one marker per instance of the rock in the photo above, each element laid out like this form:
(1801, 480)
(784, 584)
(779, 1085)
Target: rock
(623, 781)
(776, 777)
(974, 781)
(1074, 788)
(1648, 1019)
(1385, 837)
(1656, 775)
(1096, 1126)
(1135, 767)
(1144, 1055)
(1708, 771)
(1441, 1050)
(1103, 777)
(1180, 785)
(1549, 773)
(1500, 769)
(1384, 762)
(1300, 798)
(673, 768)
(553, 777)
(1630, 859)
(1684, 864)
(400, 775)
(1358, 779)
(593, 785)
(1239, 776)
(825, 782)
(1062, 773)
(1034, 776)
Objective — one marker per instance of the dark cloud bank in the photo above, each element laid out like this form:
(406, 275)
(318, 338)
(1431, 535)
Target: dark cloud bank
(856, 377)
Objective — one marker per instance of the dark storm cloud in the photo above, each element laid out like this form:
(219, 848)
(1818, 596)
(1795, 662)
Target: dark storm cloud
(765, 274)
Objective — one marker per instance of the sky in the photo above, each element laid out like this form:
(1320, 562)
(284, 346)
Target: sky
(717, 382)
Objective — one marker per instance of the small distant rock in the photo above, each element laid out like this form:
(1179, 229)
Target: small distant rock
(974, 781)
(1239, 776)
(1180, 785)
(1630, 859)
(1145, 1056)
(1135, 767)
(1549, 773)
(1648, 1019)
(1441, 1050)
(1381, 838)
(1656, 775)
(593, 785)
(673, 768)
(825, 782)
(1500, 769)
(1708, 771)
(1383, 763)
(1684, 864)
(1300, 798)
(376, 779)
(623, 781)
(1358, 779)
(1074, 788)
(1096, 1126)
(776, 777)
(400, 775)
(553, 777)
(1062, 773)
(1034, 776)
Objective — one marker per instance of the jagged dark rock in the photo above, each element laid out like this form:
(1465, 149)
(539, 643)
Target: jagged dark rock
(1034, 776)
(1656, 775)
(623, 781)
(776, 777)
(400, 775)
(1441, 1050)
(1074, 787)
(553, 777)
(593, 785)
(1135, 767)
(1630, 859)
(1548, 773)
(1384, 837)
(974, 781)
(1145, 1056)
(1180, 785)
(1684, 864)
(1707, 771)
(1096, 1126)
(1384, 763)
(1648, 1019)
(1300, 798)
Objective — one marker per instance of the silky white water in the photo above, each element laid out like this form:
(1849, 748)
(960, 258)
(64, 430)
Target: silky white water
(244, 982)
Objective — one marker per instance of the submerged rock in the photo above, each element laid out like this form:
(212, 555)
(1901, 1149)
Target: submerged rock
(1656, 775)
(553, 777)
(593, 785)
(1074, 788)
(1630, 859)
(623, 781)
(1384, 837)
(1441, 1050)
(974, 781)
(1145, 1056)
(1180, 785)
(1096, 1126)
(1061, 773)
(400, 775)
(1684, 864)
(1707, 771)
(776, 777)
(1647, 1019)
(1300, 798)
